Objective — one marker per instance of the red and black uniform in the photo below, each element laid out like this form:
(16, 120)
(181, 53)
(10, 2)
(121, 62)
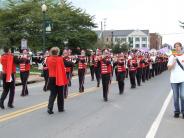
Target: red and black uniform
(8, 77)
(132, 64)
(45, 74)
(97, 60)
(139, 70)
(106, 70)
(68, 66)
(147, 64)
(121, 74)
(57, 80)
(82, 65)
(143, 66)
(91, 66)
(24, 64)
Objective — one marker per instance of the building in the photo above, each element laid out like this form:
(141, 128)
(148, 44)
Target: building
(134, 38)
(155, 41)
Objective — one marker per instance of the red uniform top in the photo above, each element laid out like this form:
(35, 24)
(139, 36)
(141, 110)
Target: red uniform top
(8, 65)
(67, 69)
(57, 70)
(106, 67)
(121, 67)
(132, 64)
(82, 62)
(25, 65)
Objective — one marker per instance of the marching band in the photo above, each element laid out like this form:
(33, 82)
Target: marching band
(138, 66)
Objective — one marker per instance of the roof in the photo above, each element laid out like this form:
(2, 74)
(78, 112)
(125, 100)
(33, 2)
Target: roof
(119, 32)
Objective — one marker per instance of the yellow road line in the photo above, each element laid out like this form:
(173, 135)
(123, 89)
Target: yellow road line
(40, 106)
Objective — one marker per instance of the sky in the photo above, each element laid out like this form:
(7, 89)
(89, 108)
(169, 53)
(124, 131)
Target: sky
(160, 16)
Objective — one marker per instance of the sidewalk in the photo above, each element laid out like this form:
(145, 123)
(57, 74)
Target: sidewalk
(37, 78)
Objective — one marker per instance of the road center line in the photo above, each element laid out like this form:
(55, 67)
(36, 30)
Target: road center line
(153, 130)
(42, 105)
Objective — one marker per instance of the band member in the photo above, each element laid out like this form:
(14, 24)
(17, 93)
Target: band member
(68, 65)
(24, 63)
(82, 65)
(153, 59)
(45, 72)
(132, 64)
(121, 72)
(9, 70)
(57, 79)
(139, 69)
(143, 66)
(91, 65)
(97, 60)
(106, 70)
(147, 64)
(71, 58)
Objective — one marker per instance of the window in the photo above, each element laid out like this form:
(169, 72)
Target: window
(123, 39)
(137, 39)
(107, 39)
(144, 39)
(137, 45)
(143, 45)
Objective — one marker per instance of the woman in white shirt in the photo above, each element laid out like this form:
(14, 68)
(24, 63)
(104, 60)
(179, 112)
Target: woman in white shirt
(175, 65)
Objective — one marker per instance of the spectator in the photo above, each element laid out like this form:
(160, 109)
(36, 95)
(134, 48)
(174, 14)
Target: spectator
(176, 67)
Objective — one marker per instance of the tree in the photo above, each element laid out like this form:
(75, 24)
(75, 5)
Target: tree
(118, 48)
(24, 19)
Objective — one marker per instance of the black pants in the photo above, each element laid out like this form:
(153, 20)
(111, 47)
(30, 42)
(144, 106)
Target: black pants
(105, 84)
(55, 91)
(66, 86)
(8, 87)
(120, 79)
(92, 70)
(139, 76)
(132, 75)
(46, 78)
(147, 73)
(97, 74)
(81, 74)
(143, 74)
(24, 79)
(127, 72)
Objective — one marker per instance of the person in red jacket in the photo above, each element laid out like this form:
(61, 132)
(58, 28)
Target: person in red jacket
(106, 72)
(57, 79)
(68, 67)
(132, 64)
(9, 70)
(24, 63)
(121, 72)
(82, 65)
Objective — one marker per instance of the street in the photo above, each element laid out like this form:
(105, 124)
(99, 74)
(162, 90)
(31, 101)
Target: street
(124, 116)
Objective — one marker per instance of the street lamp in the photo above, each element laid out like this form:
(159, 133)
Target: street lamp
(44, 9)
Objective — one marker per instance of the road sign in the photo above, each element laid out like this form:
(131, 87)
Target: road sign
(23, 44)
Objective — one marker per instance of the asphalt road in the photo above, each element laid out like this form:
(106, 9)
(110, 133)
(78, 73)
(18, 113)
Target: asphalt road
(124, 116)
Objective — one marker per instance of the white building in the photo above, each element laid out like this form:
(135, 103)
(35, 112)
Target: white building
(135, 38)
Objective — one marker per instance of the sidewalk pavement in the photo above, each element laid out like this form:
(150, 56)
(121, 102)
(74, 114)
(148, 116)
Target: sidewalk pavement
(37, 78)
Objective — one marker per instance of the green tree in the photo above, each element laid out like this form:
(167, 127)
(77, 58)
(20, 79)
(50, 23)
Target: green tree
(24, 19)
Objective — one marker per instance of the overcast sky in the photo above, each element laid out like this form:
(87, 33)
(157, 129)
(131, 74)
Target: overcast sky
(161, 16)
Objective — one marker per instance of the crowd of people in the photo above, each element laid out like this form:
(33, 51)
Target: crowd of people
(58, 69)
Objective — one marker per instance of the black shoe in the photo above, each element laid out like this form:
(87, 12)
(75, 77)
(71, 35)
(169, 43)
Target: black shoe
(10, 106)
(50, 112)
(98, 84)
(176, 115)
(105, 99)
(121, 93)
(1, 105)
(62, 110)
